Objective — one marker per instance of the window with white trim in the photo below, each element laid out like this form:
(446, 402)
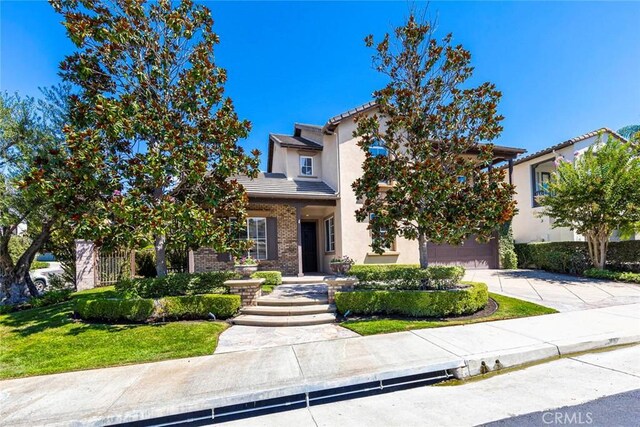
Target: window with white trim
(257, 233)
(383, 232)
(306, 166)
(377, 148)
(329, 235)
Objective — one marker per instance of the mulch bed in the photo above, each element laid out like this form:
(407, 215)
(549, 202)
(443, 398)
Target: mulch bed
(488, 310)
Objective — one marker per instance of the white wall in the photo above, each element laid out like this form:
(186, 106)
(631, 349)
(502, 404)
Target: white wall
(528, 224)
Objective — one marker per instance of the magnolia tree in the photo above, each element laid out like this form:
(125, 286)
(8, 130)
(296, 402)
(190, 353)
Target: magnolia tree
(430, 124)
(153, 126)
(597, 193)
(35, 185)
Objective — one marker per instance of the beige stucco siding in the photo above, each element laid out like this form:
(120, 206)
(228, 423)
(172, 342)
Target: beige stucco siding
(355, 235)
(528, 224)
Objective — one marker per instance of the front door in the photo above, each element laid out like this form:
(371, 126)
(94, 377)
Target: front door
(309, 247)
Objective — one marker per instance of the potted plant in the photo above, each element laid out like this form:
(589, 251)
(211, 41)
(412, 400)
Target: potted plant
(341, 266)
(246, 266)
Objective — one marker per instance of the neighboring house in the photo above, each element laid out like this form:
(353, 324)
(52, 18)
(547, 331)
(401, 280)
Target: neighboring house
(531, 175)
(302, 210)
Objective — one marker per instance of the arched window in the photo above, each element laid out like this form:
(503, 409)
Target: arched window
(377, 148)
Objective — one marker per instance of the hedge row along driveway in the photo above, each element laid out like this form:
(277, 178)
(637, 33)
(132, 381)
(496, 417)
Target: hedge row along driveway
(47, 340)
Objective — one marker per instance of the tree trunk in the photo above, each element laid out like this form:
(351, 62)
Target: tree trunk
(422, 247)
(597, 244)
(15, 279)
(161, 256)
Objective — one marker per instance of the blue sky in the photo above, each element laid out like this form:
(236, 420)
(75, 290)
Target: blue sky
(564, 68)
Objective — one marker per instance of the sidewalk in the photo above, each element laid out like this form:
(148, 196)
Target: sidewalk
(130, 393)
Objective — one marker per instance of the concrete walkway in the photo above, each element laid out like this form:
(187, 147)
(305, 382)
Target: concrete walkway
(559, 291)
(130, 393)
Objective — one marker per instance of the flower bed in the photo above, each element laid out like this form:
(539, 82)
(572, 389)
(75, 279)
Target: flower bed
(467, 299)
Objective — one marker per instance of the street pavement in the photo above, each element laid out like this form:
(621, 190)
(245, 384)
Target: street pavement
(536, 390)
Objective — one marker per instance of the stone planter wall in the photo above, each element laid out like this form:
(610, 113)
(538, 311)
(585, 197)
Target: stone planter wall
(339, 284)
(248, 289)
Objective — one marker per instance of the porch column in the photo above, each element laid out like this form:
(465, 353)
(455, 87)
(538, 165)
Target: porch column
(299, 238)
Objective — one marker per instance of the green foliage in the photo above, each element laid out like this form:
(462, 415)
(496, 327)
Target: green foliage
(175, 284)
(18, 245)
(429, 120)
(36, 265)
(406, 276)
(573, 257)
(415, 303)
(618, 276)
(146, 262)
(596, 194)
(506, 250)
(508, 308)
(199, 306)
(154, 133)
(50, 297)
(272, 278)
(115, 310)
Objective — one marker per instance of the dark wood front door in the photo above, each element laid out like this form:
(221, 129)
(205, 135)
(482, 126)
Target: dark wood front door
(309, 247)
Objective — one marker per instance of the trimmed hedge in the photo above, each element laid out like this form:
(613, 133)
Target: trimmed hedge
(147, 309)
(272, 278)
(618, 276)
(199, 306)
(573, 257)
(176, 285)
(405, 276)
(438, 303)
(113, 309)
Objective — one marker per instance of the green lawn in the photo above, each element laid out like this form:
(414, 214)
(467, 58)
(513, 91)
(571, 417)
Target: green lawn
(508, 308)
(46, 340)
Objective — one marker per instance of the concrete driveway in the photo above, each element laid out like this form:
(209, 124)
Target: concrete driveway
(559, 291)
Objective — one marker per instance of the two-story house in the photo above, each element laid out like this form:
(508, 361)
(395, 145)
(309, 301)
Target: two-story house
(302, 210)
(531, 175)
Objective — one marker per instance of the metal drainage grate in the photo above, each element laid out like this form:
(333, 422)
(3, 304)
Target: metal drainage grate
(295, 401)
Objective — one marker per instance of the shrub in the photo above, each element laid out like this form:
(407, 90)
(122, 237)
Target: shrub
(146, 262)
(50, 298)
(175, 285)
(113, 309)
(272, 278)
(506, 250)
(436, 303)
(199, 306)
(406, 276)
(618, 276)
(573, 257)
(36, 265)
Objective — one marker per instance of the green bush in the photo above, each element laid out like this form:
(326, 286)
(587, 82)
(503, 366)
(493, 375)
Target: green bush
(175, 285)
(146, 262)
(113, 309)
(50, 298)
(618, 276)
(36, 265)
(506, 250)
(437, 303)
(573, 257)
(406, 276)
(199, 306)
(272, 278)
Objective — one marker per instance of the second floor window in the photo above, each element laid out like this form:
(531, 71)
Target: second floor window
(378, 149)
(306, 166)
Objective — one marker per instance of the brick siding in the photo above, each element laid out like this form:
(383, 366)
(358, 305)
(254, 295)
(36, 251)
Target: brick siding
(205, 259)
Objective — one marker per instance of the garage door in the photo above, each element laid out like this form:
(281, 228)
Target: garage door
(470, 254)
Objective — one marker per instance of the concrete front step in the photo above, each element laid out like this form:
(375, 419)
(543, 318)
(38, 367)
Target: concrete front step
(271, 301)
(303, 320)
(288, 310)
